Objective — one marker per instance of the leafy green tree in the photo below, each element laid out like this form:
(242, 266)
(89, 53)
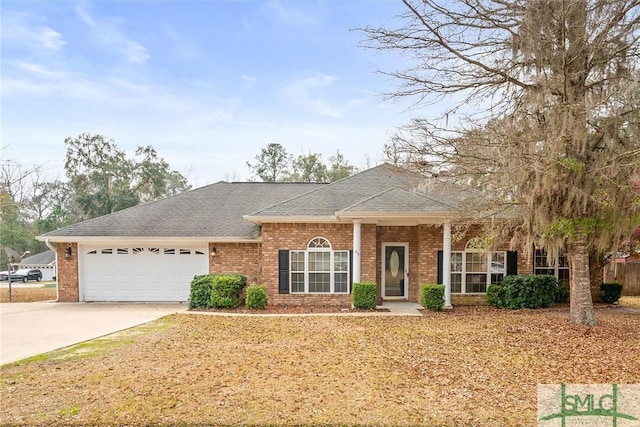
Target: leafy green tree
(546, 92)
(308, 168)
(275, 164)
(17, 230)
(339, 168)
(272, 164)
(104, 180)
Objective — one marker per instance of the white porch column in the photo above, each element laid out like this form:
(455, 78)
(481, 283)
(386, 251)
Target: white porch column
(446, 263)
(356, 250)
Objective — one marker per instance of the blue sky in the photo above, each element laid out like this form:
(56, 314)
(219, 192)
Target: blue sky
(207, 83)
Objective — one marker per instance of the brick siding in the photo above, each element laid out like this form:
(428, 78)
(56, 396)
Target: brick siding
(241, 258)
(68, 289)
(259, 261)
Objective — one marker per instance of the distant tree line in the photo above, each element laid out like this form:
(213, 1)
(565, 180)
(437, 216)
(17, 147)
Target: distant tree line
(100, 179)
(274, 164)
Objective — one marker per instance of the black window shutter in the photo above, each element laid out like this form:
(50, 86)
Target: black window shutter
(283, 271)
(350, 271)
(512, 263)
(440, 258)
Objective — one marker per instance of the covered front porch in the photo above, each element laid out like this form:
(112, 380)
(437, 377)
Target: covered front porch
(401, 257)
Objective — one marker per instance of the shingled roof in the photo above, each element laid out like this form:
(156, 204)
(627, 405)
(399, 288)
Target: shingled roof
(384, 188)
(43, 258)
(233, 211)
(214, 211)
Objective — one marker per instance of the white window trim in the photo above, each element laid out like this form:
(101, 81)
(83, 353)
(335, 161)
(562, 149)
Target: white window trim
(332, 271)
(463, 273)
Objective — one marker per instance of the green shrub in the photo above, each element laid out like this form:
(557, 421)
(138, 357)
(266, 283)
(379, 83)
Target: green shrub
(200, 295)
(525, 291)
(432, 296)
(610, 292)
(226, 290)
(256, 296)
(364, 295)
(562, 294)
(496, 296)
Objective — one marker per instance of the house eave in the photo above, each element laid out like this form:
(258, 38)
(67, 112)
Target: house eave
(142, 239)
(383, 218)
(258, 220)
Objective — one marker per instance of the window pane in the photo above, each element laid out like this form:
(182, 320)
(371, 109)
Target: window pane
(540, 258)
(563, 276)
(497, 263)
(456, 261)
(496, 278)
(549, 271)
(476, 262)
(476, 283)
(563, 261)
(341, 261)
(319, 282)
(319, 243)
(297, 282)
(456, 283)
(340, 282)
(297, 261)
(320, 261)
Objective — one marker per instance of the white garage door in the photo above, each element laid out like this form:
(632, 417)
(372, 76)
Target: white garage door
(150, 273)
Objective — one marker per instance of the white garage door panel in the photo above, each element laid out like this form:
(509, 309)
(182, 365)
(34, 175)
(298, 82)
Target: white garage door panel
(141, 273)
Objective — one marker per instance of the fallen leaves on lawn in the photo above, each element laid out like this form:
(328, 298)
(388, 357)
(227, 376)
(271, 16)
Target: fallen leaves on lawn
(19, 294)
(473, 366)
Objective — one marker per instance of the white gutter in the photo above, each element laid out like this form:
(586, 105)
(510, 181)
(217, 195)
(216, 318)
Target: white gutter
(55, 252)
(258, 220)
(148, 239)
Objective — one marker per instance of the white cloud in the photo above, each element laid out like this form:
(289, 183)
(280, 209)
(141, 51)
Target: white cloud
(135, 51)
(48, 38)
(107, 32)
(292, 16)
(313, 93)
(20, 29)
(85, 17)
(37, 69)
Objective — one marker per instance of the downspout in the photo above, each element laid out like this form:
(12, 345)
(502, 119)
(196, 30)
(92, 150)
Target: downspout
(55, 251)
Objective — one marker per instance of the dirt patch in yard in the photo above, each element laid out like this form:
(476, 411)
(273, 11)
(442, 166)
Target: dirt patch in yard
(456, 367)
(19, 294)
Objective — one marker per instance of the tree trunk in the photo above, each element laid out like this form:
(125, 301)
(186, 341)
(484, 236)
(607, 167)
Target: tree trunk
(581, 304)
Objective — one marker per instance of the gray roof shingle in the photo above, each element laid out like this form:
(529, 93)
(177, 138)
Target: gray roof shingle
(233, 210)
(362, 188)
(42, 258)
(399, 200)
(215, 210)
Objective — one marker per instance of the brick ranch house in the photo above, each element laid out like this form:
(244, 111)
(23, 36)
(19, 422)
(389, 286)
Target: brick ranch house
(306, 242)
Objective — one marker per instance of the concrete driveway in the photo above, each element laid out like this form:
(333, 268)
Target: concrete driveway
(28, 329)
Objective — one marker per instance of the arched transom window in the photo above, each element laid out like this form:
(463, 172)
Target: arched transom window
(319, 269)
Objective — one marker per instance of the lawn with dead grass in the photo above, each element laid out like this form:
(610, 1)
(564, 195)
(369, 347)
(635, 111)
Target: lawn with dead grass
(22, 294)
(467, 366)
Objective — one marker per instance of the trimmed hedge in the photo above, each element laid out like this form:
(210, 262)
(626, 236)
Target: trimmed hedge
(562, 294)
(200, 295)
(256, 296)
(364, 295)
(524, 291)
(226, 290)
(610, 292)
(432, 296)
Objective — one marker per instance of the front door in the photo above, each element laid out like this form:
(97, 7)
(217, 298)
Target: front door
(394, 270)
